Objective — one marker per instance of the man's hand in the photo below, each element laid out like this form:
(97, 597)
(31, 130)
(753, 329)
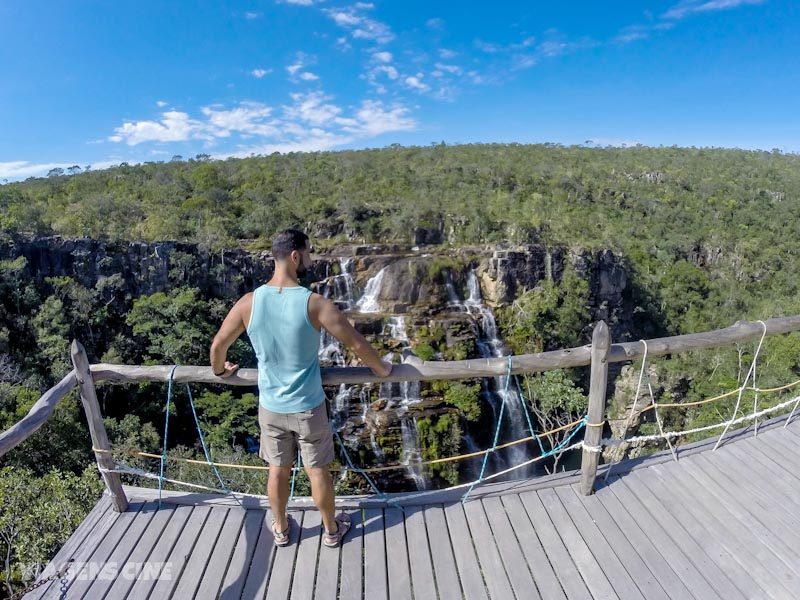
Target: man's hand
(384, 370)
(230, 369)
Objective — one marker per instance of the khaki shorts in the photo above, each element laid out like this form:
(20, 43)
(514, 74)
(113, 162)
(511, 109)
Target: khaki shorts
(281, 433)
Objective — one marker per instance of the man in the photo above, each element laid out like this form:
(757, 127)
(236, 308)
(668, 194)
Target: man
(283, 321)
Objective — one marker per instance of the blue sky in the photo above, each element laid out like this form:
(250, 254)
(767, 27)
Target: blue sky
(98, 82)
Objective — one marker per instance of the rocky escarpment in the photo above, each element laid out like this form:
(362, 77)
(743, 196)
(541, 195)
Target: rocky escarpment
(432, 300)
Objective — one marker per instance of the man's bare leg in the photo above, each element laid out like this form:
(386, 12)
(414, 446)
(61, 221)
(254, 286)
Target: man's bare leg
(322, 492)
(278, 492)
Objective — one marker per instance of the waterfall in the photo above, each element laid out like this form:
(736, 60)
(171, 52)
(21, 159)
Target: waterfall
(493, 389)
(368, 303)
(409, 395)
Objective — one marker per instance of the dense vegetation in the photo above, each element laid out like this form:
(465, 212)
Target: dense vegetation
(709, 236)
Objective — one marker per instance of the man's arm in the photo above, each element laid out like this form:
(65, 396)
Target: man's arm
(332, 319)
(231, 328)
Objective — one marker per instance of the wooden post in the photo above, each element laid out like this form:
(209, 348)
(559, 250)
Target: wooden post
(96, 428)
(601, 342)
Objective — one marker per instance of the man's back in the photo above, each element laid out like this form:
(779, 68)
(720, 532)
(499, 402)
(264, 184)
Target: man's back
(286, 345)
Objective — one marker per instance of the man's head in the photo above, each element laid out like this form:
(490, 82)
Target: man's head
(292, 248)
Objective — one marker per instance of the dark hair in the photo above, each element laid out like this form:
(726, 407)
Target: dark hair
(288, 240)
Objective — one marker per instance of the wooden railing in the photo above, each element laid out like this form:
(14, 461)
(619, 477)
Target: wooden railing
(598, 354)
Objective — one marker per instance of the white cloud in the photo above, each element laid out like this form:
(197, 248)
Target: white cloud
(415, 82)
(161, 103)
(359, 25)
(252, 15)
(453, 69)
(249, 118)
(435, 23)
(375, 119)
(21, 169)
(446, 54)
(384, 57)
(688, 7)
(298, 2)
(342, 44)
(174, 126)
(259, 73)
(312, 108)
(296, 69)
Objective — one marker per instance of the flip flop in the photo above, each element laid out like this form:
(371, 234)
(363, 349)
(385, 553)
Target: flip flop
(281, 537)
(332, 540)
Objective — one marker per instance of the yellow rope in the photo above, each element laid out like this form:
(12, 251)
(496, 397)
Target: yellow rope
(460, 457)
(369, 470)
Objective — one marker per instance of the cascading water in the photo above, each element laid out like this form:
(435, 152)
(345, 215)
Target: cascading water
(494, 390)
(342, 290)
(409, 395)
(368, 303)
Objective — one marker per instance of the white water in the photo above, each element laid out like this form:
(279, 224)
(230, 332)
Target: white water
(494, 390)
(368, 303)
(409, 395)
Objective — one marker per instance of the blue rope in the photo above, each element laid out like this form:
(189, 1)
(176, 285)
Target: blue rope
(496, 438)
(163, 457)
(525, 406)
(355, 469)
(203, 443)
(294, 474)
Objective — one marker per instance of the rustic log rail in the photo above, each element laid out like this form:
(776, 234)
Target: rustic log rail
(598, 354)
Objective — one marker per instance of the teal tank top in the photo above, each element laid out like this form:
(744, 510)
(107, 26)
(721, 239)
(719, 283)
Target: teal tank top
(287, 347)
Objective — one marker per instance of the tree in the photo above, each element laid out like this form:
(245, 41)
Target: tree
(37, 515)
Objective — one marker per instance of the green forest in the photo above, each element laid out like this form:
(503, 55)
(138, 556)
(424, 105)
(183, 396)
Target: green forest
(708, 237)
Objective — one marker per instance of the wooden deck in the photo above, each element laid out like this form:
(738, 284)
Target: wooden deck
(718, 524)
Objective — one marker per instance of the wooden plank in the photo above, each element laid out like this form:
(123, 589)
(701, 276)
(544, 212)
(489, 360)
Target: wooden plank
(658, 564)
(236, 575)
(461, 369)
(581, 554)
(494, 572)
(97, 429)
(646, 519)
(419, 554)
(717, 566)
(305, 567)
(469, 571)
(72, 545)
(759, 501)
(444, 562)
(197, 559)
(564, 567)
(750, 464)
(737, 510)
(742, 540)
(255, 585)
(280, 579)
(397, 567)
(598, 383)
(158, 565)
(619, 543)
(519, 574)
(602, 552)
(780, 444)
(543, 574)
(785, 479)
(37, 415)
(351, 579)
(706, 525)
(327, 581)
(182, 551)
(221, 554)
(136, 561)
(375, 575)
(98, 548)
